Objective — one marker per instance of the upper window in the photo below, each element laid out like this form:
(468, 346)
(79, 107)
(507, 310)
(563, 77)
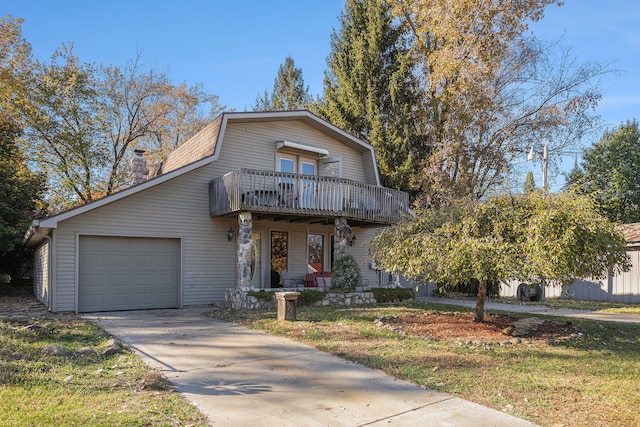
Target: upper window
(331, 166)
(287, 164)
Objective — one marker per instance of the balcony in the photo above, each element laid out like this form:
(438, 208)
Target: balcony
(305, 198)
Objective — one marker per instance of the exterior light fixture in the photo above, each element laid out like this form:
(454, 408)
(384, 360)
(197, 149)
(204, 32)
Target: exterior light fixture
(230, 234)
(545, 164)
(352, 240)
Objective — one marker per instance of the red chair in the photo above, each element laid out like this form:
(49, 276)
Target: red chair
(310, 281)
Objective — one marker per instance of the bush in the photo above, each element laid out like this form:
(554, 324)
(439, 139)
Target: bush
(307, 296)
(262, 295)
(310, 296)
(393, 294)
(345, 275)
(470, 288)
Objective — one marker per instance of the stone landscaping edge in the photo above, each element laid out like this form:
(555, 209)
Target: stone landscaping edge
(238, 298)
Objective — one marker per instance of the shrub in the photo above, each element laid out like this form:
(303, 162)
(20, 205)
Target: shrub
(262, 295)
(393, 294)
(310, 296)
(470, 288)
(345, 275)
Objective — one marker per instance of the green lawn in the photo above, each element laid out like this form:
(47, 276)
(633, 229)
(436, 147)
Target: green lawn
(594, 381)
(37, 389)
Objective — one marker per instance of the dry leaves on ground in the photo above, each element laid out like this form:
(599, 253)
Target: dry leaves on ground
(460, 326)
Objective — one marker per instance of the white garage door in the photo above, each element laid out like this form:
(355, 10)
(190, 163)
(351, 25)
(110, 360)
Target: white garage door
(128, 273)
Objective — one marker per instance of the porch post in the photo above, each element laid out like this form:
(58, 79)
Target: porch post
(342, 231)
(244, 267)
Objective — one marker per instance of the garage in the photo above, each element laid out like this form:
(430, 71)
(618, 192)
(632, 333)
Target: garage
(128, 273)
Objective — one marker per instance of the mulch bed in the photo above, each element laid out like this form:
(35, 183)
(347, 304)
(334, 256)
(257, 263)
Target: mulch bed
(460, 326)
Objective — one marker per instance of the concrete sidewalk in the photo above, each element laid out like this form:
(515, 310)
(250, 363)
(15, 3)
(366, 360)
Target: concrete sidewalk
(537, 309)
(241, 377)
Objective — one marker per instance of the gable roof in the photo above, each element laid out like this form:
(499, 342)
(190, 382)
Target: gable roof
(200, 150)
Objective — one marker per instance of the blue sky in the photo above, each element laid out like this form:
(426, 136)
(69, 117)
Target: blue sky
(234, 48)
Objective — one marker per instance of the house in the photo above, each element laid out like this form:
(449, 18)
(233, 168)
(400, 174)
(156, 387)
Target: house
(249, 197)
(623, 287)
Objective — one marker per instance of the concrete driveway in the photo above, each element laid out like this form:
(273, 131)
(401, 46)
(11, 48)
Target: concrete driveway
(241, 377)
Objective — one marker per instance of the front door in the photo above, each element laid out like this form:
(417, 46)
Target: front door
(279, 256)
(308, 186)
(315, 244)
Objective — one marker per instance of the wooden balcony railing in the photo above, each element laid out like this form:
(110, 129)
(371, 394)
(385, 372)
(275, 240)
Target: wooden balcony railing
(298, 195)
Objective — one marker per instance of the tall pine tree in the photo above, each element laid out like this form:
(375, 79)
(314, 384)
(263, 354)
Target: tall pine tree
(529, 183)
(289, 91)
(370, 89)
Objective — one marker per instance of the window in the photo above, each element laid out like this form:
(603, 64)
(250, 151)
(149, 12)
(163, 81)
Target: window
(304, 189)
(279, 255)
(331, 166)
(291, 163)
(287, 164)
(315, 243)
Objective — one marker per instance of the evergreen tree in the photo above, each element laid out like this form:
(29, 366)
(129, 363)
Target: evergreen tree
(20, 191)
(529, 184)
(609, 173)
(370, 89)
(289, 91)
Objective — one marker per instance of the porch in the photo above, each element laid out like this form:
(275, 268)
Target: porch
(305, 198)
(277, 210)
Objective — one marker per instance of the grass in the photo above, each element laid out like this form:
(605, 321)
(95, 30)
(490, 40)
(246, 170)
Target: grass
(594, 381)
(610, 307)
(98, 390)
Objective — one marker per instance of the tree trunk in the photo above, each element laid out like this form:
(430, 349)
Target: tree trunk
(482, 294)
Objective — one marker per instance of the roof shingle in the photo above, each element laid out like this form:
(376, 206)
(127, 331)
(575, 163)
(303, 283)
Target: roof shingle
(201, 145)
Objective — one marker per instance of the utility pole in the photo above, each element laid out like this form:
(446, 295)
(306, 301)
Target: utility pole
(545, 164)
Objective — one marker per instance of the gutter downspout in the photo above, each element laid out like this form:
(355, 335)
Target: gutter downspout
(51, 294)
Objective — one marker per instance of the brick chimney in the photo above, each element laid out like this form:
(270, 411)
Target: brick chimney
(139, 167)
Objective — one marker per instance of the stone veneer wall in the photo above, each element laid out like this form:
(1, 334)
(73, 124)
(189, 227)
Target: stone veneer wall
(237, 298)
(245, 225)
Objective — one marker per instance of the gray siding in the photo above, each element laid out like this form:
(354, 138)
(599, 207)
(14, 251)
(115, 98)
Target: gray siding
(509, 289)
(41, 273)
(253, 146)
(175, 209)
(360, 251)
(179, 208)
(370, 170)
(622, 287)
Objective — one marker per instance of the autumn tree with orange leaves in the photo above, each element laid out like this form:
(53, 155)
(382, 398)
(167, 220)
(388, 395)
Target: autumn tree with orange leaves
(491, 91)
(80, 122)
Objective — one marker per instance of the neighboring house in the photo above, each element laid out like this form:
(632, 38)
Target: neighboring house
(622, 287)
(249, 196)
